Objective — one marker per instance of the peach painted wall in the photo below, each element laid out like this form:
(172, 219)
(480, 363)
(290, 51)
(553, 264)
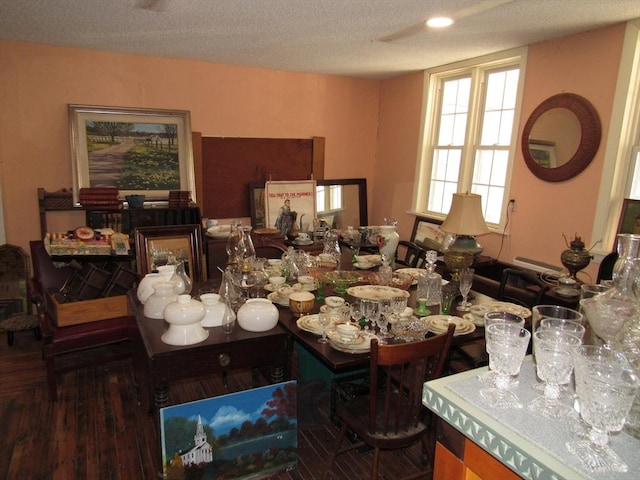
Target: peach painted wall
(38, 81)
(585, 64)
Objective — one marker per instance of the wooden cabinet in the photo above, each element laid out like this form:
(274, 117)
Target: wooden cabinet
(458, 458)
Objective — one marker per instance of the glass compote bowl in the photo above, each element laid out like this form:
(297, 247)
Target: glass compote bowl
(606, 385)
(554, 349)
(506, 345)
(466, 280)
(606, 316)
(491, 318)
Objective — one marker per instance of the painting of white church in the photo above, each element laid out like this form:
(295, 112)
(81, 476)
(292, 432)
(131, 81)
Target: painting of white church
(241, 435)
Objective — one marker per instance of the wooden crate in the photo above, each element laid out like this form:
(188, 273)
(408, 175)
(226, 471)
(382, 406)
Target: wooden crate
(74, 313)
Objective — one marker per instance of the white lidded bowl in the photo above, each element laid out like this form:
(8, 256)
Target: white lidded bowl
(258, 315)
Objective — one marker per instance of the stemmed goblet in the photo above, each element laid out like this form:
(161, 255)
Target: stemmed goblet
(606, 385)
(355, 311)
(466, 280)
(386, 309)
(506, 345)
(323, 319)
(606, 316)
(554, 349)
(371, 311)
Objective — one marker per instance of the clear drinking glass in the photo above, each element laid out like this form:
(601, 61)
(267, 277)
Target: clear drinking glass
(371, 311)
(606, 318)
(554, 365)
(466, 280)
(491, 318)
(506, 345)
(606, 385)
(386, 309)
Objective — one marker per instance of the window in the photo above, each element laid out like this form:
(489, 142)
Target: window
(471, 135)
(328, 198)
(621, 171)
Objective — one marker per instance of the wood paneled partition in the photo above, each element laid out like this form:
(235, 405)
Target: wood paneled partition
(229, 165)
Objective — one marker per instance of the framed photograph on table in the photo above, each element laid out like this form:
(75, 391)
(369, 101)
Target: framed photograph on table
(138, 151)
(427, 233)
(157, 246)
(629, 217)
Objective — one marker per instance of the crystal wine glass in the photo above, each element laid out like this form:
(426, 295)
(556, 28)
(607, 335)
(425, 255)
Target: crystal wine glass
(323, 319)
(554, 365)
(355, 311)
(386, 309)
(606, 384)
(466, 280)
(371, 311)
(506, 345)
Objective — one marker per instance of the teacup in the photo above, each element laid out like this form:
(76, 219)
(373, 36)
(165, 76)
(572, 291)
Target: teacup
(303, 237)
(334, 302)
(301, 303)
(307, 282)
(277, 282)
(347, 331)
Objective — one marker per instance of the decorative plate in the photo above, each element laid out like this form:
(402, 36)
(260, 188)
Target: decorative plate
(376, 292)
(414, 272)
(440, 324)
(309, 323)
(219, 231)
(375, 259)
(363, 266)
(480, 310)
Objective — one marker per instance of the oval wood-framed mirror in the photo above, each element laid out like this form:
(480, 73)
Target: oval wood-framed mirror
(561, 137)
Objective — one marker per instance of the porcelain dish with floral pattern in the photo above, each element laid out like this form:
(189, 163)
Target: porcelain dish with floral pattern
(376, 292)
(440, 324)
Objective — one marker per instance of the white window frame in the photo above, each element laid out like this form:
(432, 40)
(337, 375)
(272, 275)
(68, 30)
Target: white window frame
(624, 129)
(429, 125)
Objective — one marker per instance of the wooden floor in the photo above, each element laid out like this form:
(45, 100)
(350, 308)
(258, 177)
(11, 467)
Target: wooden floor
(96, 429)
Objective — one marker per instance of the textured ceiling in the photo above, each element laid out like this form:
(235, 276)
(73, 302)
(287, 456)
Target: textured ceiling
(340, 37)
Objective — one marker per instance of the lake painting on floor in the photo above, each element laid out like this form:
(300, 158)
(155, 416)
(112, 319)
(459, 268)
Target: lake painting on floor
(247, 434)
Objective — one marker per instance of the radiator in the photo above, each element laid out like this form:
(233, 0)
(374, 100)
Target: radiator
(537, 266)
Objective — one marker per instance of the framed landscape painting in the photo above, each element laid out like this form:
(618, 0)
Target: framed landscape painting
(138, 151)
(247, 434)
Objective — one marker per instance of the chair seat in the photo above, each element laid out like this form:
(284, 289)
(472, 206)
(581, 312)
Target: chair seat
(355, 413)
(19, 322)
(103, 332)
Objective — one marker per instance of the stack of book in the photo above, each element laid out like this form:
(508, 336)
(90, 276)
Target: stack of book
(179, 198)
(102, 198)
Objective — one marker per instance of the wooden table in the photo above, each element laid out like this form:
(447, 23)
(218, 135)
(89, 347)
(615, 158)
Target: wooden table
(159, 364)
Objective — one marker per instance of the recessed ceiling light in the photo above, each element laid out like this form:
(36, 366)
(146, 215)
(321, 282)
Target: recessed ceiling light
(439, 22)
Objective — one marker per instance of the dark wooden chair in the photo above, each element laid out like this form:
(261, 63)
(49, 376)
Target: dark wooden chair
(523, 287)
(605, 271)
(63, 341)
(392, 416)
(519, 286)
(15, 298)
(410, 254)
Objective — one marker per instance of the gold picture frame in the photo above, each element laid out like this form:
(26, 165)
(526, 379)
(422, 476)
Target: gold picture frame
(138, 151)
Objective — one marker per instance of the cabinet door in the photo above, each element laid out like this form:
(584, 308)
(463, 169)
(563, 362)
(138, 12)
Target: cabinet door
(446, 465)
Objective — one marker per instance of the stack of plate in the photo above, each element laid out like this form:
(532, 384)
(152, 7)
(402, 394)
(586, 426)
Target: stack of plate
(440, 323)
(309, 323)
(359, 344)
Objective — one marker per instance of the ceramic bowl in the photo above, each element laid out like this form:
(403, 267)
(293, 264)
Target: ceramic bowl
(258, 315)
(301, 303)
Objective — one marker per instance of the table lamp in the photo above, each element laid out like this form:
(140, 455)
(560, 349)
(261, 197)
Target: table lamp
(465, 221)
